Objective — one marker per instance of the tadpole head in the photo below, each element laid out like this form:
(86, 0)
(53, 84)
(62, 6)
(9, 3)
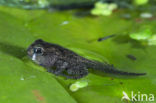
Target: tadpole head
(36, 50)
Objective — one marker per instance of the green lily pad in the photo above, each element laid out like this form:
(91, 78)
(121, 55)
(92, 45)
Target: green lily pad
(25, 82)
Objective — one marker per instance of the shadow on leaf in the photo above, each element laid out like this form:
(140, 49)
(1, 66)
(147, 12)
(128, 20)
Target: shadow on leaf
(13, 50)
(121, 39)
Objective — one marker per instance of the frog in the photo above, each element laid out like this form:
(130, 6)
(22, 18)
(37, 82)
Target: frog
(64, 62)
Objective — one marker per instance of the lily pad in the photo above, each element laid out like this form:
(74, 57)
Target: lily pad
(23, 81)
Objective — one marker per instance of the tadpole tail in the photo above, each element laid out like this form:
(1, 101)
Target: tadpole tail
(107, 68)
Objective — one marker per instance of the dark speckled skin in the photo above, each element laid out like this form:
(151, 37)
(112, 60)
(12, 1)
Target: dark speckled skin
(64, 62)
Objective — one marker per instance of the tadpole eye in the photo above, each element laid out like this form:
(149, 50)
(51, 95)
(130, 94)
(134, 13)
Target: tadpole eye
(38, 50)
